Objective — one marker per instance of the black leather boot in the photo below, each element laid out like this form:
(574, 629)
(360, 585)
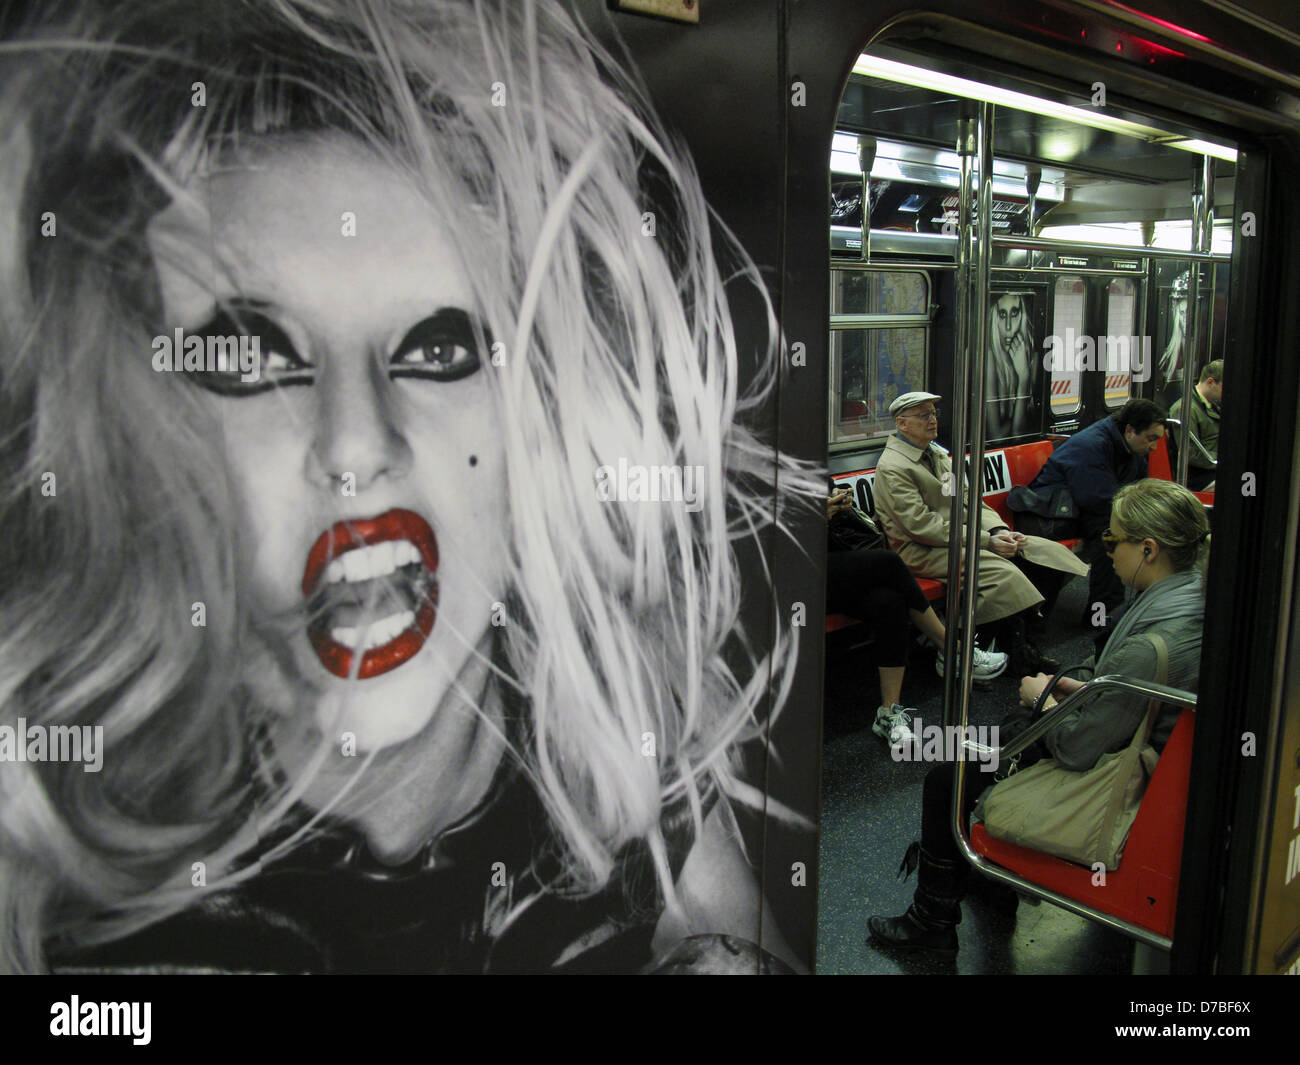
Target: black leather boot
(930, 923)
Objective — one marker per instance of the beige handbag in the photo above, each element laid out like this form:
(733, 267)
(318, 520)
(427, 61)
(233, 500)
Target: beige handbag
(1084, 816)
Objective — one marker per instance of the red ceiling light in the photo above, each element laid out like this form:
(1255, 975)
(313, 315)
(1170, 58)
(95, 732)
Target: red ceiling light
(1183, 30)
(1159, 49)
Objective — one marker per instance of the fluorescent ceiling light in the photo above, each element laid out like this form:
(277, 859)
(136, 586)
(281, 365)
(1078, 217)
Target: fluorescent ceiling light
(1172, 234)
(894, 163)
(887, 69)
(1203, 148)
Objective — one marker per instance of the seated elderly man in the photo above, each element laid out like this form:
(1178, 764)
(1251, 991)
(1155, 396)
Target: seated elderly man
(1017, 573)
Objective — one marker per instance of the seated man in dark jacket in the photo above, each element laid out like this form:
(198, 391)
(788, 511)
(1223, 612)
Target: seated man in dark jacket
(1094, 464)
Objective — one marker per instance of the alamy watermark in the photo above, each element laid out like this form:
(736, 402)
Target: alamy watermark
(1120, 354)
(53, 743)
(213, 354)
(936, 743)
(75, 1017)
(633, 483)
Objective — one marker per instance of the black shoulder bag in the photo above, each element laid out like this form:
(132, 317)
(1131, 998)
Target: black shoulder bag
(1049, 512)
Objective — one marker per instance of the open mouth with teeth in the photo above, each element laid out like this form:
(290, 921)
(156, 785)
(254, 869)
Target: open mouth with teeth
(371, 587)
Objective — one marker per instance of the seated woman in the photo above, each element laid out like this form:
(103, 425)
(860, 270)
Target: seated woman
(389, 676)
(872, 584)
(1159, 537)
(1017, 573)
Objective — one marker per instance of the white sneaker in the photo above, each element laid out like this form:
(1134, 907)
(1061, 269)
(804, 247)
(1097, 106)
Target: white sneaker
(988, 664)
(985, 664)
(893, 724)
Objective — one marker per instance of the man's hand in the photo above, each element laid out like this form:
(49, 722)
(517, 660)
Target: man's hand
(1004, 543)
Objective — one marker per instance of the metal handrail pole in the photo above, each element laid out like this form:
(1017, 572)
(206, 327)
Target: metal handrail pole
(1085, 247)
(866, 160)
(1189, 434)
(1098, 685)
(982, 865)
(1027, 887)
(974, 400)
(1078, 247)
(1202, 208)
(967, 148)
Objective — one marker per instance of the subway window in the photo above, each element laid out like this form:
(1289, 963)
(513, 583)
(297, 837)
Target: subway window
(873, 367)
(1122, 346)
(880, 330)
(879, 292)
(1068, 306)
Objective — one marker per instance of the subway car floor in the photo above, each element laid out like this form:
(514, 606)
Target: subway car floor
(871, 811)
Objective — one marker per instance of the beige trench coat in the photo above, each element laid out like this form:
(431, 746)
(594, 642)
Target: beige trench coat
(913, 511)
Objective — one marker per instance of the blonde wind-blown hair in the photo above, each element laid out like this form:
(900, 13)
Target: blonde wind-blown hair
(1170, 515)
(624, 617)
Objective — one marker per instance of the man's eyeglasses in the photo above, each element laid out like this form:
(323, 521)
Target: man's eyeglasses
(1110, 541)
(925, 415)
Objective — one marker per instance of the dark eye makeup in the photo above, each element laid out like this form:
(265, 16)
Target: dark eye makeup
(278, 364)
(443, 347)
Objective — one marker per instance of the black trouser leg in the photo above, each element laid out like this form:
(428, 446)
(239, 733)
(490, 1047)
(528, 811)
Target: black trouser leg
(877, 588)
(936, 808)
(1104, 586)
(942, 874)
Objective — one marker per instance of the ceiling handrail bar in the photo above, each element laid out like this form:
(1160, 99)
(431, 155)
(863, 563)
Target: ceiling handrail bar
(1084, 247)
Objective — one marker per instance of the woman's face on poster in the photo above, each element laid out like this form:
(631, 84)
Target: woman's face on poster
(365, 459)
(1008, 321)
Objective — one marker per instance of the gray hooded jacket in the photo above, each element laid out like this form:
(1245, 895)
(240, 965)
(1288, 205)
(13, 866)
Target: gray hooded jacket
(1173, 607)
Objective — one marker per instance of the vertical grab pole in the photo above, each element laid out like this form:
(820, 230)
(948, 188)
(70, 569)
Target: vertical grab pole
(967, 149)
(866, 160)
(1033, 178)
(1202, 240)
(974, 401)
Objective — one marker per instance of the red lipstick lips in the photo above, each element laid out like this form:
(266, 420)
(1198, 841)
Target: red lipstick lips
(345, 536)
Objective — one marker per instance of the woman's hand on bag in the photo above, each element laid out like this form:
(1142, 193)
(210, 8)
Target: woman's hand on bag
(1032, 687)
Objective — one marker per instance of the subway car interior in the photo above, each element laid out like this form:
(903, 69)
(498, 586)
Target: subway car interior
(1027, 214)
(1107, 260)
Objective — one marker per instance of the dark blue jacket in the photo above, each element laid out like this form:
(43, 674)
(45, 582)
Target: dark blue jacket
(1094, 464)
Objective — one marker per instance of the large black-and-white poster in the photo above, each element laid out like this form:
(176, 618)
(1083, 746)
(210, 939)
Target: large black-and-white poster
(1173, 339)
(1012, 368)
(387, 466)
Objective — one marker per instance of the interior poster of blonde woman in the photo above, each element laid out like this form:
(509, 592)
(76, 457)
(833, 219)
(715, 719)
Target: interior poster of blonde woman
(1173, 351)
(388, 468)
(1012, 369)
